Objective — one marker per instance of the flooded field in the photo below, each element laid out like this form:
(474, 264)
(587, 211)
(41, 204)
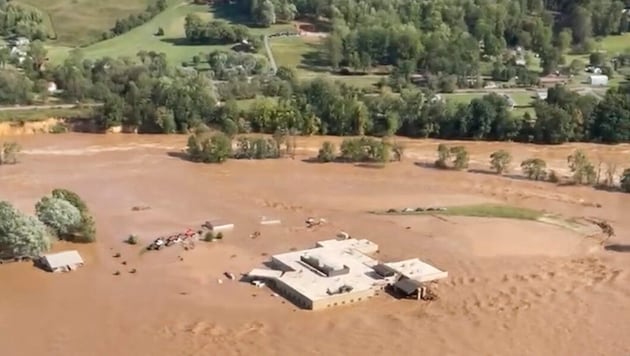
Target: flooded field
(514, 287)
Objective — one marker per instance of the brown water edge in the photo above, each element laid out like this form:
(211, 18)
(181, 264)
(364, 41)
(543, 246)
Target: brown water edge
(516, 288)
(48, 125)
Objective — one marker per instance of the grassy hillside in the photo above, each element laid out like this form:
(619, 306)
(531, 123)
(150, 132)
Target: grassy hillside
(76, 22)
(142, 38)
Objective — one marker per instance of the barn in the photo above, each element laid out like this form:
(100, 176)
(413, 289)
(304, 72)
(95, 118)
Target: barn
(62, 261)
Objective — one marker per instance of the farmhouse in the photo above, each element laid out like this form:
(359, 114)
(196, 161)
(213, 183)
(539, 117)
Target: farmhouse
(339, 272)
(62, 261)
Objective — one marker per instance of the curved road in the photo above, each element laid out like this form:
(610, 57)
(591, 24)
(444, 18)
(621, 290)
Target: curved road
(45, 107)
(272, 61)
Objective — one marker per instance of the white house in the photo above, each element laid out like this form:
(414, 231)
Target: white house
(598, 80)
(52, 87)
(62, 261)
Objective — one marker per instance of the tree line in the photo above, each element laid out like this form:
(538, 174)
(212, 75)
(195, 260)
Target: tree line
(150, 96)
(216, 32)
(61, 215)
(134, 20)
(583, 171)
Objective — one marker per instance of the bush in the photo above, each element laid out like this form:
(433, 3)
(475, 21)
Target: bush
(257, 148)
(625, 180)
(219, 236)
(398, 150)
(159, 32)
(459, 154)
(209, 236)
(553, 177)
(9, 152)
(500, 161)
(132, 240)
(21, 235)
(365, 149)
(534, 168)
(444, 154)
(327, 152)
(63, 218)
(216, 148)
(58, 128)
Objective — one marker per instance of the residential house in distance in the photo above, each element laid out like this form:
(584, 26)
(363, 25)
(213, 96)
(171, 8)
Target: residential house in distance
(598, 80)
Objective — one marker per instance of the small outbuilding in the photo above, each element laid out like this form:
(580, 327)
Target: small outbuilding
(598, 80)
(218, 226)
(62, 261)
(407, 288)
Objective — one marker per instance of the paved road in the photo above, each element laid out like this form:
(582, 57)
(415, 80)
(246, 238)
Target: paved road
(45, 107)
(272, 61)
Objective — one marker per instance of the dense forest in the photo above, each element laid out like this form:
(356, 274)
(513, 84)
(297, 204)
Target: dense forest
(449, 36)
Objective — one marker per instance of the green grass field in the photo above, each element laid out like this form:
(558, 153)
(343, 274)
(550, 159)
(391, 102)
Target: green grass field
(77, 22)
(303, 54)
(142, 38)
(40, 114)
(481, 211)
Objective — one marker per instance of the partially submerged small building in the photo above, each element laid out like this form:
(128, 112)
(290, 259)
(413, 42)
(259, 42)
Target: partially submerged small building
(62, 261)
(337, 272)
(218, 225)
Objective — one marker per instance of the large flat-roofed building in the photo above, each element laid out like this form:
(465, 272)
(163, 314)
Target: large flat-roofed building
(338, 272)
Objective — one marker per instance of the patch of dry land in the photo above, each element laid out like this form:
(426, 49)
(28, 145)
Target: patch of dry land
(515, 287)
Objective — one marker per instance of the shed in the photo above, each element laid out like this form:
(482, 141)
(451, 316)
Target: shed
(406, 287)
(218, 225)
(542, 94)
(598, 80)
(62, 261)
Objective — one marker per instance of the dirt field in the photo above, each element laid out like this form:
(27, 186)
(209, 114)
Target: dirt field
(514, 287)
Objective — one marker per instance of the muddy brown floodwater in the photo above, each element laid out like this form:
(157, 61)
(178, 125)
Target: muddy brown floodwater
(514, 287)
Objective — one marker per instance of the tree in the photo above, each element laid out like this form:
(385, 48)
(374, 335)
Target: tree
(9, 152)
(38, 54)
(582, 169)
(59, 215)
(327, 152)
(625, 180)
(534, 168)
(500, 161)
(564, 39)
(21, 235)
(86, 231)
(461, 157)
(265, 13)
